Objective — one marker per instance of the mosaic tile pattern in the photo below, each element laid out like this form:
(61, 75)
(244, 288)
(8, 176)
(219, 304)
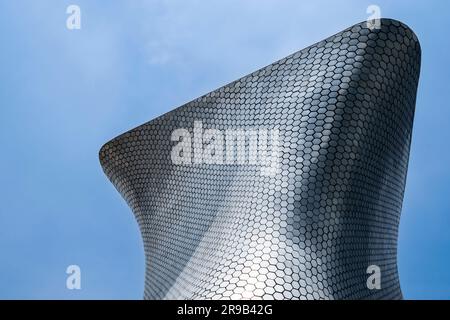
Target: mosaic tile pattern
(344, 108)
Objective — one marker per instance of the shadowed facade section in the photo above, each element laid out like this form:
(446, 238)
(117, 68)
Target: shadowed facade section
(344, 108)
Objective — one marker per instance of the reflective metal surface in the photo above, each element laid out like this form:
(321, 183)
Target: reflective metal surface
(344, 108)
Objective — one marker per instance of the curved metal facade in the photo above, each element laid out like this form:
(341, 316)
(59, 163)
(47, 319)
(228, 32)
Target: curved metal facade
(344, 109)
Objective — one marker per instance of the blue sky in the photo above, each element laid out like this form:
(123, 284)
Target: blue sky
(66, 92)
